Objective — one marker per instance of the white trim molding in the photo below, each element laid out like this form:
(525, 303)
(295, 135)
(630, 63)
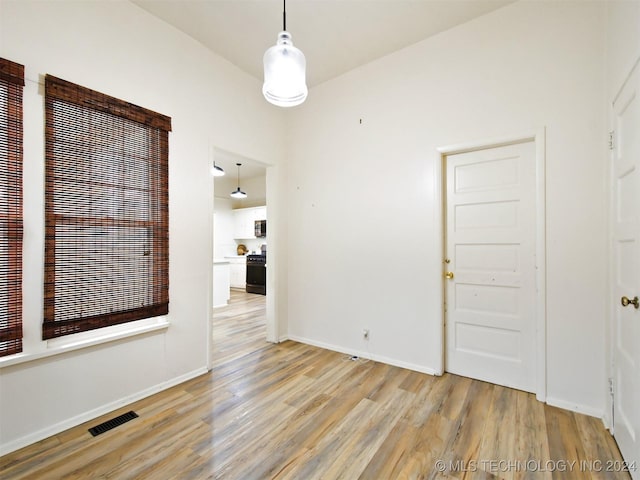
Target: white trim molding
(96, 412)
(539, 138)
(57, 346)
(365, 355)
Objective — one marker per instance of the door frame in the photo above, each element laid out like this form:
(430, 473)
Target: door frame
(273, 334)
(613, 302)
(539, 138)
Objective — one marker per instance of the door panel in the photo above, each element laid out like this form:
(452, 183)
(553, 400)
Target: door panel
(626, 270)
(486, 215)
(499, 257)
(490, 244)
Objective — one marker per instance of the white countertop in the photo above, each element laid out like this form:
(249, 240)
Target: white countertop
(236, 259)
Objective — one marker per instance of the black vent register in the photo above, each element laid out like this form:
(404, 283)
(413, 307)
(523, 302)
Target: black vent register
(113, 423)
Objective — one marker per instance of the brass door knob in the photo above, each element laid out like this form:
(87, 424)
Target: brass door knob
(449, 275)
(635, 302)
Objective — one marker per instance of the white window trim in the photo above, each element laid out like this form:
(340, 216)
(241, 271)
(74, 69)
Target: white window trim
(70, 343)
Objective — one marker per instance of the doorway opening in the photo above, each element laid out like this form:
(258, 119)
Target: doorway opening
(237, 242)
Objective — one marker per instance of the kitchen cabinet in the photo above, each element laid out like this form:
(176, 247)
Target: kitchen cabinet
(260, 213)
(244, 221)
(237, 272)
(221, 277)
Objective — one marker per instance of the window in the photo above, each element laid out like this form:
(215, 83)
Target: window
(106, 211)
(11, 85)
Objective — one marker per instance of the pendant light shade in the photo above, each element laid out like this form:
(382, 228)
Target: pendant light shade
(237, 193)
(217, 171)
(285, 83)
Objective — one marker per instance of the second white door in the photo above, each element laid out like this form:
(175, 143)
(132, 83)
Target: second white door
(490, 292)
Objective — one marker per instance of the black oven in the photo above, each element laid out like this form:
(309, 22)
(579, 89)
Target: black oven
(257, 274)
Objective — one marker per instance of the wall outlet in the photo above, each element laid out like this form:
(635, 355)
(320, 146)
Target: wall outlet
(365, 333)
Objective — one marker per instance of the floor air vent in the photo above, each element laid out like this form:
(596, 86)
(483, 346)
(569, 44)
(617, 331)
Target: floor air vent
(113, 423)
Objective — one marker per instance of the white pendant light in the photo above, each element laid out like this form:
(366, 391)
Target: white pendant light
(284, 70)
(237, 193)
(217, 171)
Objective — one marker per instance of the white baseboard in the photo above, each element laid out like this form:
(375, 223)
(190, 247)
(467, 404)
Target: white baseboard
(95, 413)
(574, 407)
(364, 354)
(565, 405)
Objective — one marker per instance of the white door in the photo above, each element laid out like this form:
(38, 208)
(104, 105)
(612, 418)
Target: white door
(490, 250)
(626, 270)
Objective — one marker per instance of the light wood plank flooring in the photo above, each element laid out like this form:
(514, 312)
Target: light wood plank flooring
(291, 411)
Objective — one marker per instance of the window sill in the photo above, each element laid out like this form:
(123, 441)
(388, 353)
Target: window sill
(89, 339)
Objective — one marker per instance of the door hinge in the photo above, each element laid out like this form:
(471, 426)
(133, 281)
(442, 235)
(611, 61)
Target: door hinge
(611, 390)
(611, 145)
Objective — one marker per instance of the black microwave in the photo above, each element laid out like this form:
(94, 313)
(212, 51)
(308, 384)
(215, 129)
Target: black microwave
(261, 228)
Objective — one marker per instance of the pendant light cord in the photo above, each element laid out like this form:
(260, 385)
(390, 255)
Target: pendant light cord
(284, 15)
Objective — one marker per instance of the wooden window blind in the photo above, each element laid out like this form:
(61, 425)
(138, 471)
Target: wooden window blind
(11, 85)
(106, 210)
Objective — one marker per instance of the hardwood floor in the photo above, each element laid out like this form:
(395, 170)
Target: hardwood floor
(292, 411)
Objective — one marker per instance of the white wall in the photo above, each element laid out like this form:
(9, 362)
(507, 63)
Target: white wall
(223, 225)
(623, 42)
(118, 49)
(278, 251)
(366, 247)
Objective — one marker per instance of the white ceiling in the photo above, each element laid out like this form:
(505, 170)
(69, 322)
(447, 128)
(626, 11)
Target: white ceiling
(335, 35)
(248, 168)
